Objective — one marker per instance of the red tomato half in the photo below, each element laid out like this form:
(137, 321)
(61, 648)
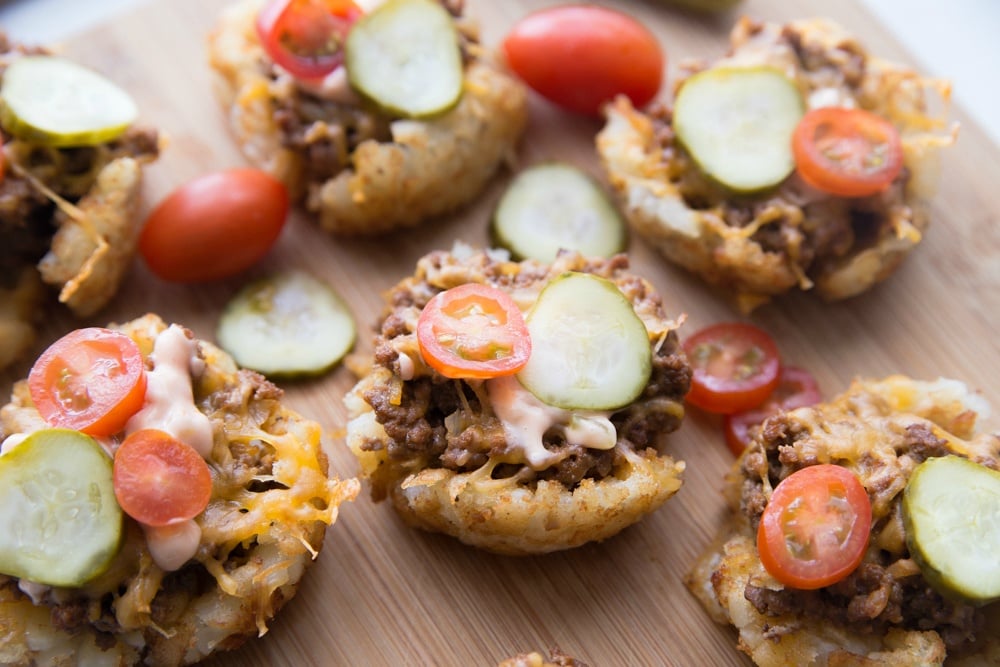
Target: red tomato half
(847, 152)
(814, 530)
(796, 388)
(306, 37)
(160, 480)
(473, 331)
(90, 380)
(214, 226)
(582, 56)
(734, 367)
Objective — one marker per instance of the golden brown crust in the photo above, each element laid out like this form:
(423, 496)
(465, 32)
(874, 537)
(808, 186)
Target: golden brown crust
(428, 168)
(96, 241)
(503, 515)
(257, 538)
(690, 222)
(865, 429)
(487, 504)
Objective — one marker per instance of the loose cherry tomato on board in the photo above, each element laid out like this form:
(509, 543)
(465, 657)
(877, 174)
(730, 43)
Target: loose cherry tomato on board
(90, 380)
(582, 56)
(214, 226)
(734, 366)
(847, 152)
(306, 37)
(160, 480)
(796, 388)
(473, 331)
(814, 529)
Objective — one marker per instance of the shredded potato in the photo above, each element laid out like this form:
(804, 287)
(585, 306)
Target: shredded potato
(868, 430)
(756, 248)
(271, 502)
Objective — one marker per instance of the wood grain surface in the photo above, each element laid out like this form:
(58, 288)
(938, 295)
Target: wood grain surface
(383, 594)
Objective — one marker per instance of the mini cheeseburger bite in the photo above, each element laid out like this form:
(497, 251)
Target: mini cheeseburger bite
(798, 160)
(375, 120)
(864, 531)
(69, 188)
(157, 503)
(520, 407)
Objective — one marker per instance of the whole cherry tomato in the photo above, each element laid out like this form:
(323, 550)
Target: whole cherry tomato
(306, 37)
(160, 480)
(582, 56)
(796, 388)
(734, 367)
(90, 380)
(473, 331)
(847, 152)
(815, 527)
(214, 226)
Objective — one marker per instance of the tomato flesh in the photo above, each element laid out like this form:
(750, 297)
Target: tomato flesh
(580, 57)
(734, 366)
(214, 226)
(90, 380)
(847, 152)
(160, 480)
(306, 37)
(814, 530)
(796, 388)
(473, 331)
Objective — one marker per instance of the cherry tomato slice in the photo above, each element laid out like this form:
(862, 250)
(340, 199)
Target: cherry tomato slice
(90, 380)
(796, 388)
(306, 37)
(160, 480)
(582, 56)
(473, 331)
(847, 152)
(815, 528)
(214, 226)
(734, 367)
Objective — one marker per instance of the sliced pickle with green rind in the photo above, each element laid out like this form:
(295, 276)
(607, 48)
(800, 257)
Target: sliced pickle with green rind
(287, 325)
(56, 102)
(553, 206)
(404, 57)
(951, 512)
(589, 349)
(737, 124)
(60, 523)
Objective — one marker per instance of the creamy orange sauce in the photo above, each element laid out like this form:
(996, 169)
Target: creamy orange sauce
(526, 419)
(170, 407)
(169, 402)
(172, 546)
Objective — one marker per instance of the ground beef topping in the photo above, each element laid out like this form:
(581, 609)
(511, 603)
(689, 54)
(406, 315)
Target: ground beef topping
(887, 589)
(812, 228)
(326, 132)
(449, 423)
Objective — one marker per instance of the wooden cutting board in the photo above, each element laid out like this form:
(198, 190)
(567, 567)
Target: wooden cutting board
(383, 594)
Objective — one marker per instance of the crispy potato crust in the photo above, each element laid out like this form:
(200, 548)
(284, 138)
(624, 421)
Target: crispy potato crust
(488, 504)
(866, 430)
(761, 246)
(429, 168)
(503, 515)
(272, 500)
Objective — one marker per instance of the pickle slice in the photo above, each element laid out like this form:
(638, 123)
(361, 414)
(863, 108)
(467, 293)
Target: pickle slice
(589, 350)
(57, 102)
(951, 511)
(60, 523)
(553, 206)
(737, 124)
(287, 325)
(405, 58)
